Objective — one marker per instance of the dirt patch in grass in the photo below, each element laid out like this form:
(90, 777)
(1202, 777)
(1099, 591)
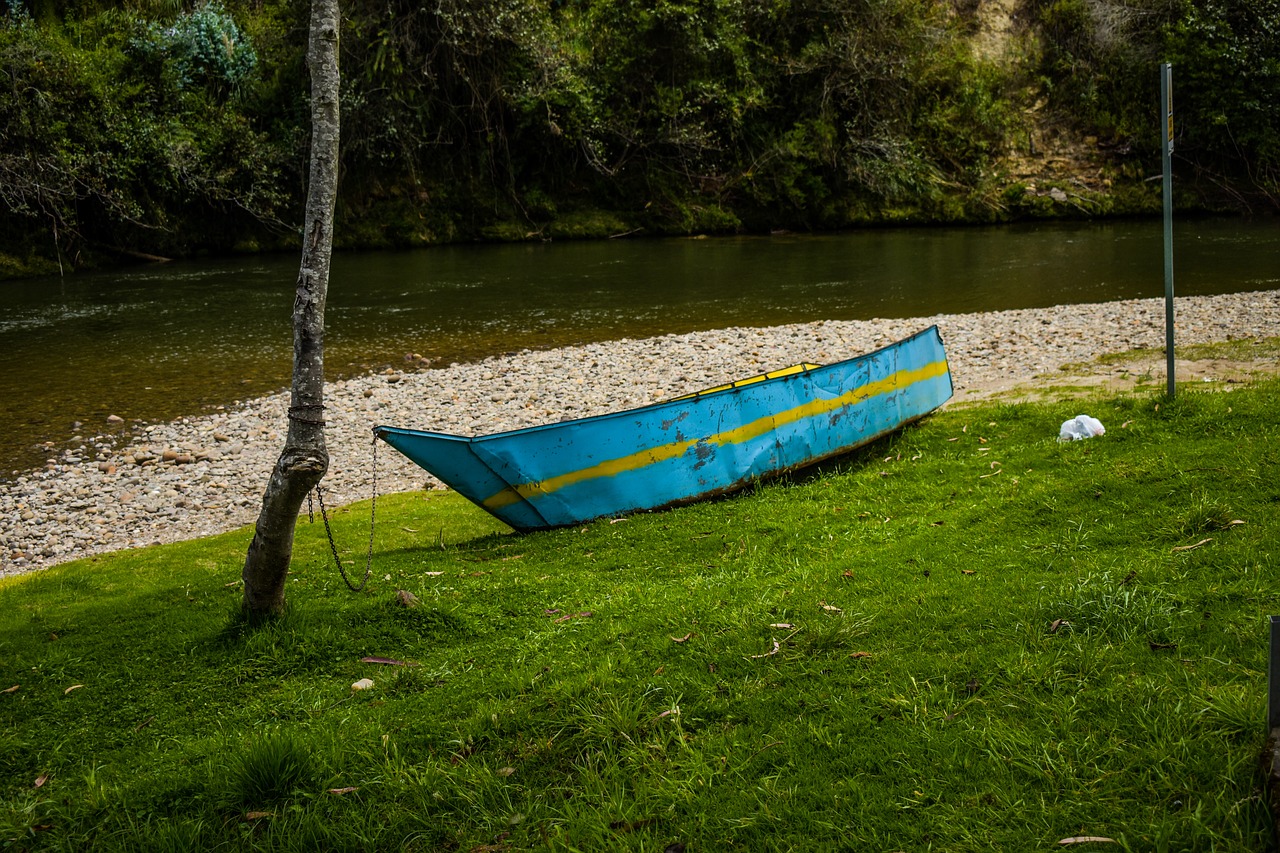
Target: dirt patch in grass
(1207, 365)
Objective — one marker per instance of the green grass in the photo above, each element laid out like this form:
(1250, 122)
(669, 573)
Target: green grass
(965, 637)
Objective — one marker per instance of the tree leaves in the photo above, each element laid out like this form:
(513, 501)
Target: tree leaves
(386, 661)
(1086, 839)
(777, 647)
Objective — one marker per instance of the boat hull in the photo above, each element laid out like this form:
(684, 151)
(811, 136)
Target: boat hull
(686, 449)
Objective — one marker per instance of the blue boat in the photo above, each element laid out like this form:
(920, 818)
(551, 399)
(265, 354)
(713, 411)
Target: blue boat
(689, 448)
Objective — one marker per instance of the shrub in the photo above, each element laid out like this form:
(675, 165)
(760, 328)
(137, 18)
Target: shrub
(206, 49)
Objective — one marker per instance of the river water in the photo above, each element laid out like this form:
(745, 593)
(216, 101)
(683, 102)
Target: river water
(158, 342)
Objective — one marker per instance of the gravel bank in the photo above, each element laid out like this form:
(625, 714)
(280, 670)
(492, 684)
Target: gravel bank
(204, 475)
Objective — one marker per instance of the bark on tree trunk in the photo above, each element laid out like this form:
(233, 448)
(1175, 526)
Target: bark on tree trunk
(305, 458)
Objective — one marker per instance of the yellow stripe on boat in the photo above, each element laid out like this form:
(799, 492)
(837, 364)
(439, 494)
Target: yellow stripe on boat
(760, 426)
(566, 473)
(738, 383)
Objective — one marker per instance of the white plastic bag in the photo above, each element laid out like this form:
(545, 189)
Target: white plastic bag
(1081, 426)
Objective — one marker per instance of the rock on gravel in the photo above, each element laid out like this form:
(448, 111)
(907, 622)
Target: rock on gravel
(202, 475)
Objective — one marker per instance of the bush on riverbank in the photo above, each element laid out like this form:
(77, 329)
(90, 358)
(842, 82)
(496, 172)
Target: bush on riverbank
(1102, 58)
(115, 143)
(967, 635)
(150, 128)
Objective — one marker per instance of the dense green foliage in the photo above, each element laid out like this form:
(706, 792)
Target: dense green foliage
(967, 637)
(121, 136)
(166, 128)
(203, 48)
(1101, 58)
(683, 116)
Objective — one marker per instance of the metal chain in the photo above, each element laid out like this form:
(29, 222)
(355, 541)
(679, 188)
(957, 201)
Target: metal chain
(328, 529)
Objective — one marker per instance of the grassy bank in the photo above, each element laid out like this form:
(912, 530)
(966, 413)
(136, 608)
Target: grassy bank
(966, 637)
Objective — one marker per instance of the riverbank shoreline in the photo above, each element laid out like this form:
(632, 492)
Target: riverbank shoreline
(203, 475)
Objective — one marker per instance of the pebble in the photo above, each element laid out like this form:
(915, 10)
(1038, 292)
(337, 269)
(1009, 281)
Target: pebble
(203, 475)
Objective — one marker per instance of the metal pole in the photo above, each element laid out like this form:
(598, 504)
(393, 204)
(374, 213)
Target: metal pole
(1166, 152)
(1273, 677)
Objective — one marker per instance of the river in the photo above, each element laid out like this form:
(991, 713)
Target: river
(163, 341)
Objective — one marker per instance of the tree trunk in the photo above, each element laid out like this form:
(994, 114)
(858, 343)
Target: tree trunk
(305, 458)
